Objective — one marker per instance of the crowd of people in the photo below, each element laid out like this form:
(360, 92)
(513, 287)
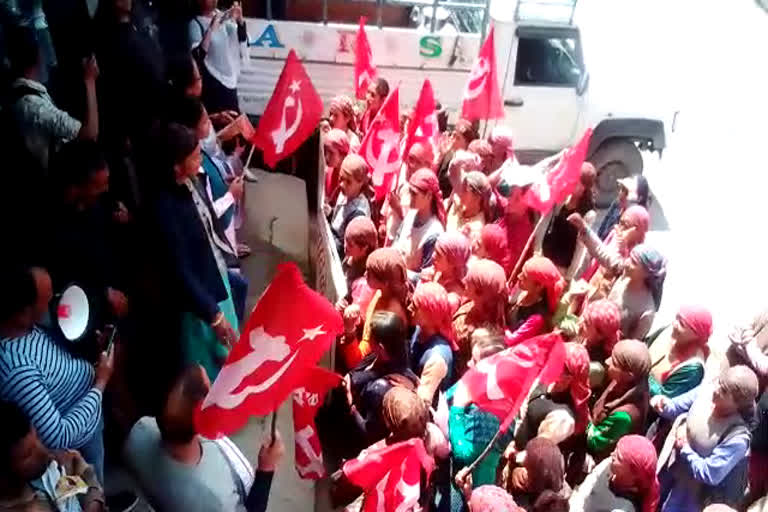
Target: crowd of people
(118, 182)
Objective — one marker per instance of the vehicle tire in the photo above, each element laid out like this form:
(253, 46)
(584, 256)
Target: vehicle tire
(613, 160)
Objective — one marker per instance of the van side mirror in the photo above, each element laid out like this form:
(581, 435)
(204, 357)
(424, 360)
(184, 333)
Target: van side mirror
(581, 87)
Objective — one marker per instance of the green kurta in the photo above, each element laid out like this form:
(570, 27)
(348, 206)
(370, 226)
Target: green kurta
(683, 378)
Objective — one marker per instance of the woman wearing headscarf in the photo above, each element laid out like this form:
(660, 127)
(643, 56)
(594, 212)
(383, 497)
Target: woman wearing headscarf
(625, 481)
(486, 297)
(433, 339)
(492, 245)
(678, 354)
(335, 150)
(559, 410)
(704, 459)
(353, 201)
(632, 191)
(470, 209)
(449, 265)
(463, 162)
(490, 498)
(377, 92)
(423, 223)
(749, 346)
(341, 114)
(398, 201)
(386, 275)
(599, 329)
(463, 133)
(360, 240)
(541, 287)
(483, 149)
(540, 479)
(519, 219)
(609, 257)
(622, 407)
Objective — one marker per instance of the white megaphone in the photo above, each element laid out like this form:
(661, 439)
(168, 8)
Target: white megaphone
(72, 313)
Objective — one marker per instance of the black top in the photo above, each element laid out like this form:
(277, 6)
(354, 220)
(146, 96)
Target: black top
(561, 237)
(539, 405)
(517, 315)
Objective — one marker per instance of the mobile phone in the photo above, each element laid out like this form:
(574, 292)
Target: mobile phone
(111, 340)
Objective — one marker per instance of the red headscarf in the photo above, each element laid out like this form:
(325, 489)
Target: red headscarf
(434, 301)
(494, 240)
(637, 217)
(577, 365)
(545, 273)
(490, 498)
(425, 180)
(422, 152)
(456, 249)
(698, 320)
(488, 278)
(605, 316)
(640, 455)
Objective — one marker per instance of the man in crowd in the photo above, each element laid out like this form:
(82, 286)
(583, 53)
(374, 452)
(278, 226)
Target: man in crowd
(36, 479)
(60, 393)
(179, 470)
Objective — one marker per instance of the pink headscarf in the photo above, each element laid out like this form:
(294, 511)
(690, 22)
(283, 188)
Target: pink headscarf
(337, 140)
(577, 364)
(605, 316)
(494, 240)
(639, 453)
(698, 320)
(545, 273)
(488, 278)
(502, 136)
(425, 180)
(434, 301)
(423, 153)
(638, 217)
(456, 249)
(344, 105)
(490, 498)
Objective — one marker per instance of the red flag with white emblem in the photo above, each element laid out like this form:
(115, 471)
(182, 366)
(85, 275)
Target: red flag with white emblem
(558, 183)
(390, 475)
(499, 383)
(291, 115)
(276, 350)
(423, 127)
(482, 98)
(365, 70)
(380, 145)
(306, 401)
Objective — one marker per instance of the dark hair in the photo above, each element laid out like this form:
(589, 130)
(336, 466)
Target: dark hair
(13, 428)
(382, 87)
(77, 161)
(643, 191)
(193, 389)
(442, 117)
(388, 330)
(23, 49)
(180, 72)
(550, 501)
(187, 112)
(19, 292)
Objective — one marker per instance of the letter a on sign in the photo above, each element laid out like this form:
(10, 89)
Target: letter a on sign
(268, 39)
(291, 115)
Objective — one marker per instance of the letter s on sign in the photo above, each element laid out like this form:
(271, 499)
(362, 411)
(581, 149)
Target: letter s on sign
(429, 46)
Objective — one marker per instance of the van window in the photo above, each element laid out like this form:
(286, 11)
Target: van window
(547, 62)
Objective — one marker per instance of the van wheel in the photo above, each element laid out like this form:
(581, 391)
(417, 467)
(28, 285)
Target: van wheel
(613, 160)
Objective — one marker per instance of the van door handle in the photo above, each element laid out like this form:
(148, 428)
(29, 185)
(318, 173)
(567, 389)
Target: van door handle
(514, 102)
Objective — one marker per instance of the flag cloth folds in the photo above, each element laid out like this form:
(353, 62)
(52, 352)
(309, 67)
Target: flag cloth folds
(365, 70)
(482, 98)
(275, 353)
(380, 145)
(291, 115)
(423, 126)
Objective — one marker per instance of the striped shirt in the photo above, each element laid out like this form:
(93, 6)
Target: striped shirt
(54, 388)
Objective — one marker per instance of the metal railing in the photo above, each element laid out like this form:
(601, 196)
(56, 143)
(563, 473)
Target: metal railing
(465, 6)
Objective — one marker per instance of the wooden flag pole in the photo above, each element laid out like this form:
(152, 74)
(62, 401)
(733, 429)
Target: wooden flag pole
(273, 428)
(250, 155)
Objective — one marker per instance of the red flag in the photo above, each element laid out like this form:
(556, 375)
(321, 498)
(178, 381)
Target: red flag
(390, 475)
(482, 99)
(306, 401)
(423, 126)
(559, 182)
(500, 383)
(380, 145)
(291, 115)
(273, 356)
(365, 71)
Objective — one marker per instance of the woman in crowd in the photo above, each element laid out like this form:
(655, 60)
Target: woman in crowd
(472, 211)
(519, 219)
(492, 245)
(489, 498)
(342, 117)
(749, 346)
(217, 38)
(449, 265)
(632, 191)
(463, 133)
(186, 81)
(196, 246)
(374, 99)
(360, 240)
(599, 331)
(678, 354)
(335, 150)
(354, 191)
(423, 223)
(539, 485)
(399, 200)
(625, 481)
(486, 297)
(471, 429)
(502, 146)
(482, 148)
(463, 162)
(541, 287)
(433, 340)
(386, 274)
(622, 407)
(710, 443)
(558, 411)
